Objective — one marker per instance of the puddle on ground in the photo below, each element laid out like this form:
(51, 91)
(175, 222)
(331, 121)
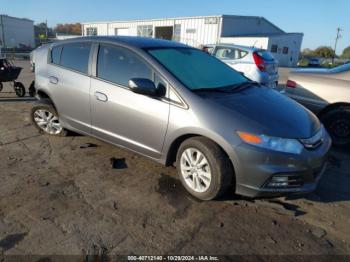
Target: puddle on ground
(176, 194)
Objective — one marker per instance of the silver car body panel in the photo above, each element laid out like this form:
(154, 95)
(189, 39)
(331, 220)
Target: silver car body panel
(318, 88)
(151, 126)
(247, 66)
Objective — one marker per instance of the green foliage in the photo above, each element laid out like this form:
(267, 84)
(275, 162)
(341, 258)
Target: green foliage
(68, 29)
(346, 53)
(324, 52)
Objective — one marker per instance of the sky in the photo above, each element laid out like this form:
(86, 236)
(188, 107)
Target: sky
(317, 19)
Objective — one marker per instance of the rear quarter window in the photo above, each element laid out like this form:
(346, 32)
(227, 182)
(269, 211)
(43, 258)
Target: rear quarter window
(56, 55)
(76, 56)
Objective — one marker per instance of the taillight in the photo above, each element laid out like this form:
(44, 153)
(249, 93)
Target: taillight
(259, 61)
(291, 84)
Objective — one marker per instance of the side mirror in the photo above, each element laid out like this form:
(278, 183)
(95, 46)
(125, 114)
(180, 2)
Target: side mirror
(144, 86)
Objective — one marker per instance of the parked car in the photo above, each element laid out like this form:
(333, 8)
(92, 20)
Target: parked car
(174, 103)
(314, 62)
(256, 64)
(327, 93)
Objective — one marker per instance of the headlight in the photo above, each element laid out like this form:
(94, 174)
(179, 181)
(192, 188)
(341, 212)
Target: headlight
(272, 143)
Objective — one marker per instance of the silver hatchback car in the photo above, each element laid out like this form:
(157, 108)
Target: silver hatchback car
(177, 104)
(256, 64)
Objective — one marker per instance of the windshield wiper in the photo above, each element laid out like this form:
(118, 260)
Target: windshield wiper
(228, 89)
(213, 90)
(243, 85)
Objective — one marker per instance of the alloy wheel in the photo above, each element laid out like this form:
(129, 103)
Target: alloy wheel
(195, 170)
(47, 122)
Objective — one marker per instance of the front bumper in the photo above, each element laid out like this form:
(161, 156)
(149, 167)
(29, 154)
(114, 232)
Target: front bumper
(256, 169)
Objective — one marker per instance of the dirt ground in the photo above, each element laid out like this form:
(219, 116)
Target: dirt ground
(77, 195)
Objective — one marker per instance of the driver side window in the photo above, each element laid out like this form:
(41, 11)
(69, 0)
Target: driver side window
(119, 65)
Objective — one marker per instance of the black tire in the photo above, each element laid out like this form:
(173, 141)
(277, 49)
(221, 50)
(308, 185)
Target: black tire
(31, 90)
(221, 168)
(1, 87)
(337, 123)
(45, 104)
(19, 89)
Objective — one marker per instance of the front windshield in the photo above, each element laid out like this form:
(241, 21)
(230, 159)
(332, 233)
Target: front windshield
(197, 69)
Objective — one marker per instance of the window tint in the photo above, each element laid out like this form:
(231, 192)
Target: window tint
(145, 30)
(196, 69)
(119, 65)
(56, 55)
(76, 56)
(91, 31)
(226, 53)
(274, 48)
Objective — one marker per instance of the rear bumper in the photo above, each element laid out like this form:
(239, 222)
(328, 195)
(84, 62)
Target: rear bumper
(268, 79)
(257, 169)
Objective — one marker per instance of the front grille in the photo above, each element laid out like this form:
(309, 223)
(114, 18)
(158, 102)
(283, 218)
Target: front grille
(285, 181)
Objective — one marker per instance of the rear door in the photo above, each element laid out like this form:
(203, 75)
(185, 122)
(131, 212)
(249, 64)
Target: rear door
(69, 83)
(119, 115)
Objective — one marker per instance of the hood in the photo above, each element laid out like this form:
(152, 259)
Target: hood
(270, 112)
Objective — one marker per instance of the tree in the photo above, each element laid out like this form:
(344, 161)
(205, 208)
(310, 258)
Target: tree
(346, 53)
(324, 51)
(68, 29)
(40, 30)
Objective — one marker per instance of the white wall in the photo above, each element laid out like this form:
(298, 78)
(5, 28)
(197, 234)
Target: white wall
(292, 42)
(194, 31)
(17, 31)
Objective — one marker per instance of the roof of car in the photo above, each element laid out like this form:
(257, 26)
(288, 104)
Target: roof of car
(135, 41)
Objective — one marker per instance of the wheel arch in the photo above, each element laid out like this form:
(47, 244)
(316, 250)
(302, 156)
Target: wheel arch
(175, 145)
(41, 94)
(331, 107)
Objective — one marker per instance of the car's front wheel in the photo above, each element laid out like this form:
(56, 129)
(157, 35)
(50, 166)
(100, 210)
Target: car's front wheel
(204, 169)
(45, 118)
(337, 123)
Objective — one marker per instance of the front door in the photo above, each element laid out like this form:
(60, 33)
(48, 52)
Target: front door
(119, 115)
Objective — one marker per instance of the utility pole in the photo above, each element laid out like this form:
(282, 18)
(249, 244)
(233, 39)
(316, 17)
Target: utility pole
(46, 33)
(336, 42)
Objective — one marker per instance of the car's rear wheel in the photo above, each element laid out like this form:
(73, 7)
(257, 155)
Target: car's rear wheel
(204, 169)
(337, 123)
(45, 118)
(19, 89)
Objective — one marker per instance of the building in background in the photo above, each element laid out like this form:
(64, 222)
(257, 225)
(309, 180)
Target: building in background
(203, 30)
(16, 32)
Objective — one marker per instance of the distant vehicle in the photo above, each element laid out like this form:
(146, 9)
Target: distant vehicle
(176, 104)
(327, 93)
(314, 62)
(256, 64)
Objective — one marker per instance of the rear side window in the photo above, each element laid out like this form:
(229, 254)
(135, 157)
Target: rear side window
(76, 56)
(226, 53)
(56, 55)
(119, 65)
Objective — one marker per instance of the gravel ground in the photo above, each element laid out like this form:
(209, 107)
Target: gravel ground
(77, 196)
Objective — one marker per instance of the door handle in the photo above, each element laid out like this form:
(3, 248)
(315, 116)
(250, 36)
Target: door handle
(53, 80)
(101, 96)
